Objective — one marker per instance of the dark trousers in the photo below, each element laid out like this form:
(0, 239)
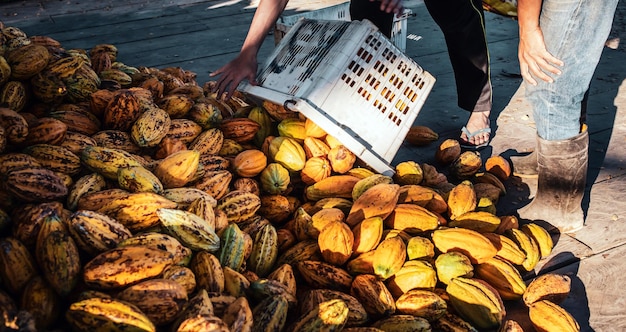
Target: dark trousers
(370, 10)
(462, 24)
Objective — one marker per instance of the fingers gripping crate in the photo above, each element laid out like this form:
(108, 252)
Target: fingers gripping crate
(341, 12)
(349, 79)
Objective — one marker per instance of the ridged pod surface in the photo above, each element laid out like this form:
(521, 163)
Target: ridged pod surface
(18, 264)
(323, 275)
(550, 286)
(239, 205)
(421, 303)
(389, 257)
(270, 314)
(477, 302)
(110, 314)
(402, 323)
(120, 267)
(232, 247)
(503, 276)
(471, 243)
(238, 315)
(178, 169)
(414, 274)
(190, 229)
(329, 315)
(35, 185)
(96, 232)
(137, 211)
(412, 218)
(336, 242)
(161, 300)
(547, 316)
(356, 315)
(264, 251)
(377, 201)
(151, 127)
(106, 161)
(373, 295)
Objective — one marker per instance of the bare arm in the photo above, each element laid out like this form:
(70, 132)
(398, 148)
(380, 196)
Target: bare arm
(244, 66)
(535, 60)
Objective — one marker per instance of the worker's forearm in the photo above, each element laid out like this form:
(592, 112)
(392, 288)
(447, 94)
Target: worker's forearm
(528, 14)
(265, 17)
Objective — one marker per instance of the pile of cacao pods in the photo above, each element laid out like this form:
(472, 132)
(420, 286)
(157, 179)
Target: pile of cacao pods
(133, 199)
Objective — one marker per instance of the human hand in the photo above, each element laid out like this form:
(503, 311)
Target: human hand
(232, 73)
(534, 58)
(392, 6)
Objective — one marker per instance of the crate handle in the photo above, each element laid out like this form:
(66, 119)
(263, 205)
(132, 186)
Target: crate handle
(286, 105)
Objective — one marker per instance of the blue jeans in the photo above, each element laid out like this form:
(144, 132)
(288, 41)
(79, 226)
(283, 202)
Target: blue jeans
(575, 31)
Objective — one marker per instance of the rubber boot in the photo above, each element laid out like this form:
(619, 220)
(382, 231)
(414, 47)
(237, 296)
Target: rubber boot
(525, 166)
(562, 174)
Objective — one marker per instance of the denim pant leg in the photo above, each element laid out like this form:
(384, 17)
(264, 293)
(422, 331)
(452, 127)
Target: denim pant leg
(575, 31)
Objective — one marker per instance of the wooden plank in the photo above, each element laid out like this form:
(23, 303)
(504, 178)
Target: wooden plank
(606, 221)
(598, 295)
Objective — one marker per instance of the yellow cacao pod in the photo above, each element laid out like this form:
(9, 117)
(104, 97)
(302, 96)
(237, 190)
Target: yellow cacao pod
(412, 219)
(547, 316)
(107, 314)
(448, 151)
(287, 152)
(378, 201)
(389, 257)
(480, 221)
(466, 165)
(120, 267)
(550, 286)
(468, 242)
(503, 276)
(408, 172)
(461, 199)
(477, 302)
(421, 303)
(367, 235)
(413, 275)
(451, 265)
(178, 169)
(373, 295)
(336, 241)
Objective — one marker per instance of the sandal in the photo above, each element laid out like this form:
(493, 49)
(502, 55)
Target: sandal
(469, 146)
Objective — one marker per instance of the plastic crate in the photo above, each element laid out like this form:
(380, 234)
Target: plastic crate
(349, 79)
(341, 12)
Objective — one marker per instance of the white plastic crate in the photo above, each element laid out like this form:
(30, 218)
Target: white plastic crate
(341, 12)
(349, 79)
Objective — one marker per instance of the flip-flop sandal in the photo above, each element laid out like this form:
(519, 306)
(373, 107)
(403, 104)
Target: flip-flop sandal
(469, 146)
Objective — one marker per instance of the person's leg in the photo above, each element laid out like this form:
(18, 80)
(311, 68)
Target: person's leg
(526, 165)
(370, 10)
(574, 31)
(462, 23)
